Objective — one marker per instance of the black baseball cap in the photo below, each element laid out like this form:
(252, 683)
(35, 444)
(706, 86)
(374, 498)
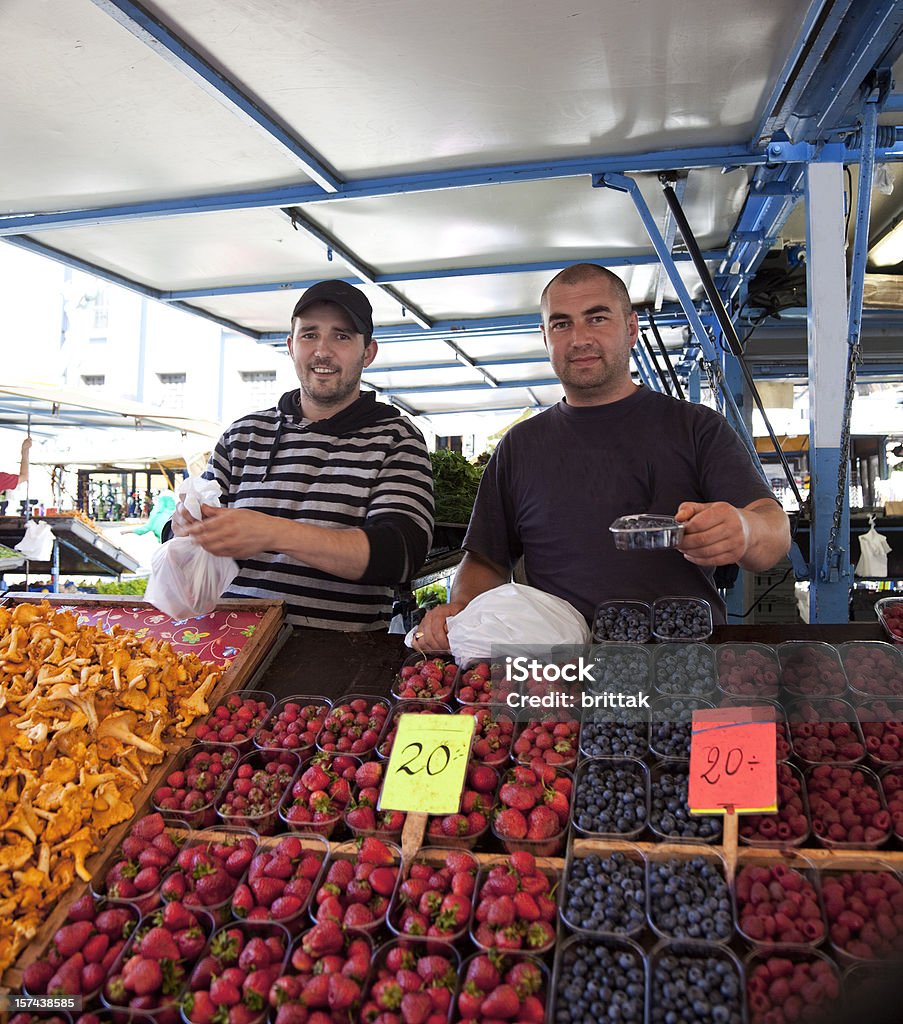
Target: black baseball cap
(351, 299)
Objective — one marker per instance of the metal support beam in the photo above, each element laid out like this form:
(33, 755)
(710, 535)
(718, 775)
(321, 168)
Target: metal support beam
(737, 600)
(827, 290)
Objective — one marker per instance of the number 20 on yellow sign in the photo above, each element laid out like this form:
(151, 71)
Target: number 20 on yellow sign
(428, 763)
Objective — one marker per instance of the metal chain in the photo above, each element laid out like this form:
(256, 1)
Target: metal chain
(833, 551)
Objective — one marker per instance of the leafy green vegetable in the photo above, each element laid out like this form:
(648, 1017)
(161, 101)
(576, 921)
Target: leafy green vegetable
(431, 595)
(455, 483)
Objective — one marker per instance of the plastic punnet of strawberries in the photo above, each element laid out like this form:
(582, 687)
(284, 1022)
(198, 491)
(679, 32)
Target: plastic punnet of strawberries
(356, 890)
(146, 853)
(292, 725)
(535, 804)
(554, 740)
(410, 707)
(362, 816)
(319, 796)
(190, 791)
(412, 984)
(153, 968)
(482, 683)
(326, 973)
(231, 984)
(498, 987)
(234, 721)
(280, 880)
(208, 869)
(255, 790)
(493, 734)
(434, 901)
(353, 727)
(515, 907)
(426, 678)
(472, 818)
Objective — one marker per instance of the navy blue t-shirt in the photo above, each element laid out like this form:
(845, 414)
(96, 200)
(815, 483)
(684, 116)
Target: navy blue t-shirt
(557, 481)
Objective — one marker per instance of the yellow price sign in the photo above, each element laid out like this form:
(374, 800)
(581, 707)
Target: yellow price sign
(428, 763)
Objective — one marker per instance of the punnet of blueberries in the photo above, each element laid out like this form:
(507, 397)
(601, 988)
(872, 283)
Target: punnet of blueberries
(681, 618)
(689, 899)
(700, 985)
(684, 668)
(611, 797)
(672, 725)
(669, 814)
(607, 894)
(621, 668)
(626, 622)
(599, 983)
(615, 733)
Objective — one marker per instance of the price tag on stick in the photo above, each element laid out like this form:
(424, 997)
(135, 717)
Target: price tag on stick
(733, 761)
(428, 763)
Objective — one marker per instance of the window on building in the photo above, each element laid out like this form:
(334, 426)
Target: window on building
(93, 380)
(259, 384)
(173, 388)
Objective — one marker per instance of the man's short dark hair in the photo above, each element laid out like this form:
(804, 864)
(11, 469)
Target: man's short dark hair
(577, 273)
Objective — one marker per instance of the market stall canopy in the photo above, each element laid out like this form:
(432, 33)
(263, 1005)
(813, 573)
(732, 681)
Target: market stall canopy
(219, 154)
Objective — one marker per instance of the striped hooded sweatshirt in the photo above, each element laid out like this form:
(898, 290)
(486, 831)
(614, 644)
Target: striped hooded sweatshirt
(365, 467)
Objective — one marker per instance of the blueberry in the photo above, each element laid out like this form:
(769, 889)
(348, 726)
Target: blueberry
(689, 899)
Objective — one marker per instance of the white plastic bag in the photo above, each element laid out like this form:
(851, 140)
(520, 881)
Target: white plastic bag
(514, 614)
(37, 544)
(185, 579)
(874, 550)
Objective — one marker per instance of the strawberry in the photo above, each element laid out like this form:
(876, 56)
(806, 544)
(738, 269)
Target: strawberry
(361, 818)
(415, 1007)
(510, 824)
(518, 797)
(526, 978)
(502, 1003)
(542, 823)
(382, 880)
(483, 972)
(148, 827)
(242, 901)
(343, 993)
(357, 916)
(482, 778)
(523, 863)
(71, 937)
(158, 944)
(374, 851)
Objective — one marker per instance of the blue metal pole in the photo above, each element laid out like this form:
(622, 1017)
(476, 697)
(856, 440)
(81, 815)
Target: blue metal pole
(694, 384)
(642, 365)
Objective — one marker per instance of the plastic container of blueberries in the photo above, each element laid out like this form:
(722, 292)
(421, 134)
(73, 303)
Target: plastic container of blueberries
(658, 855)
(634, 719)
(634, 670)
(641, 607)
(663, 684)
(303, 700)
(890, 675)
(632, 763)
(832, 844)
(444, 949)
(552, 876)
(819, 710)
(786, 842)
(645, 532)
(347, 699)
(550, 847)
(205, 815)
(881, 608)
(259, 695)
(686, 603)
(660, 710)
(880, 710)
(405, 707)
(782, 736)
(796, 954)
(435, 857)
(506, 963)
(660, 768)
(266, 823)
(496, 713)
(699, 950)
(851, 863)
(633, 853)
(464, 842)
(768, 679)
(801, 865)
(445, 692)
(792, 652)
(616, 945)
(349, 851)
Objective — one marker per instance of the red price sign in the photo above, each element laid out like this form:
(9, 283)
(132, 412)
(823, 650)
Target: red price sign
(733, 761)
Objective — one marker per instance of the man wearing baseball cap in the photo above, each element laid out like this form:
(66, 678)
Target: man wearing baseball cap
(328, 496)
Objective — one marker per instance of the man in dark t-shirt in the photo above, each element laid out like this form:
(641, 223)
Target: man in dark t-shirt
(557, 481)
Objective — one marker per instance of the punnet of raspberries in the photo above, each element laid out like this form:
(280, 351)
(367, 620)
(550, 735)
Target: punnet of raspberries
(235, 720)
(191, 788)
(555, 741)
(892, 784)
(782, 988)
(498, 987)
(361, 816)
(293, 724)
(280, 880)
(514, 907)
(425, 678)
(320, 795)
(209, 868)
(358, 884)
(146, 853)
(873, 668)
(882, 728)
(847, 806)
(434, 900)
(825, 731)
(493, 734)
(891, 614)
(482, 683)
(353, 727)
(325, 975)
(412, 984)
(232, 982)
(778, 904)
(534, 804)
(790, 825)
(83, 950)
(811, 669)
(865, 912)
(157, 960)
(254, 792)
(472, 819)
